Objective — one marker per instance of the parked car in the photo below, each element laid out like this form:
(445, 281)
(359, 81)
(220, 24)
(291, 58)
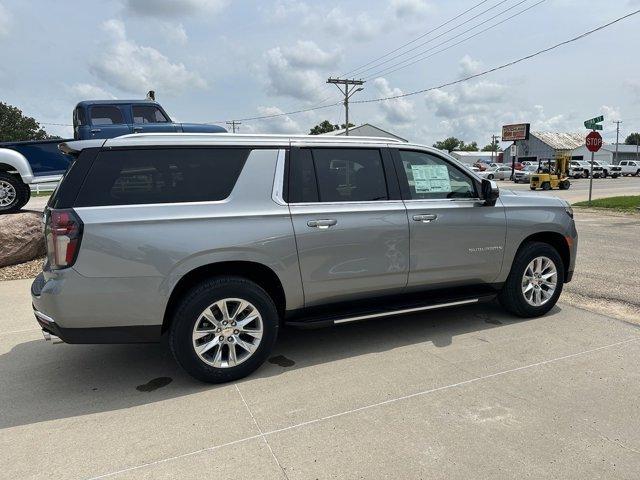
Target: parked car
(215, 241)
(606, 169)
(524, 175)
(480, 166)
(581, 169)
(25, 163)
(499, 173)
(630, 167)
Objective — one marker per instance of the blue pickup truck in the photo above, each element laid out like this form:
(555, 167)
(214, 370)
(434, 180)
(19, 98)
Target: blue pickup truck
(26, 163)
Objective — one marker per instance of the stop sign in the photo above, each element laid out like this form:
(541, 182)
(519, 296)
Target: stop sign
(594, 142)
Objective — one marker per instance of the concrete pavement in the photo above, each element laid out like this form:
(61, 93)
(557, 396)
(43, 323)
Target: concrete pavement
(463, 393)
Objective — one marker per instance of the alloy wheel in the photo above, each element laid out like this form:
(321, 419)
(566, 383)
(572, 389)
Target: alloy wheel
(7, 193)
(227, 333)
(539, 281)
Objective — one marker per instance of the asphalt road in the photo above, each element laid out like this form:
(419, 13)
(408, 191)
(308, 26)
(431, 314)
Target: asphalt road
(462, 393)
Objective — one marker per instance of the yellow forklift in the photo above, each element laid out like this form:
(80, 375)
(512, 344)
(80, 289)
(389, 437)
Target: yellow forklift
(553, 173)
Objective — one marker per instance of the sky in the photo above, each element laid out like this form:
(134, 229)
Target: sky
(218, 60)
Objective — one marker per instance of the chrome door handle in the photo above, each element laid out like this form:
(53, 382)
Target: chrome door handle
(322, 224)
(425, 217)
(96, 130)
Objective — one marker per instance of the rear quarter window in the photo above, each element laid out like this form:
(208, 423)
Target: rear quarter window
(148, 176)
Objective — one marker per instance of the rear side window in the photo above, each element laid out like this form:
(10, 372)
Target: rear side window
(148, 114)
(337, 175)
(133, 177)
(106, 115)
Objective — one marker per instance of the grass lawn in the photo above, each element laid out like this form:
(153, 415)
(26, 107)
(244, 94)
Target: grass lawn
(628, 203)
(41, 194)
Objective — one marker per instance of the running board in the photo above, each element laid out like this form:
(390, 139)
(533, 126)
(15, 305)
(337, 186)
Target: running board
(405, 311)
(337, 314)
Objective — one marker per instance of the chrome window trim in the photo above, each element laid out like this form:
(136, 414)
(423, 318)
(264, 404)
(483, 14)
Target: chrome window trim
(372, 202)
(277, 193)
(433, 200)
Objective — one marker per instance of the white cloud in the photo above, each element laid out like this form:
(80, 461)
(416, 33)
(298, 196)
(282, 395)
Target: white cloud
(174, 32)
(359, 27)
(469, 66)
(5, 21)
(87, 91)
(409, 9)
(284, 9)
(398, 110)
(175, 8)
(281, 124)
(134, 68)
(610, 113)
(293, 71)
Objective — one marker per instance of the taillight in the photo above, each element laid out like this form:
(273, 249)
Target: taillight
(63, 231)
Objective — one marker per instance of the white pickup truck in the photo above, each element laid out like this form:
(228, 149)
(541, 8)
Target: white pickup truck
(612, 171)
(630, 167)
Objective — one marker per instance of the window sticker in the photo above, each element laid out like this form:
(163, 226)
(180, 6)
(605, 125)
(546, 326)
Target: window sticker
(431, 178)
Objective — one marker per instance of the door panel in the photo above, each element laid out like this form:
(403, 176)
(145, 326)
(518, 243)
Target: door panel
(454, 238)
(464, 244)
(356, 250)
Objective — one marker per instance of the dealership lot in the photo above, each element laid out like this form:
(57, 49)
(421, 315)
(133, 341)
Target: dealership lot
(463, 393)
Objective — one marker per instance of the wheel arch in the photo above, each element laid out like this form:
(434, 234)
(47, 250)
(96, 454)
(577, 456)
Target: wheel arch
(259, 273)
(556, 240)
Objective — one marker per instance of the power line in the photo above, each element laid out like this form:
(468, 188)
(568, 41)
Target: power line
(504, 65)
(400, 65)
(415, 39)
(448, 31)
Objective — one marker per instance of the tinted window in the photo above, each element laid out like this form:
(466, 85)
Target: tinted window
(148, 114)
(431, 177)
(106, 115)
(121, 177)
(302, 177)
(349, 174)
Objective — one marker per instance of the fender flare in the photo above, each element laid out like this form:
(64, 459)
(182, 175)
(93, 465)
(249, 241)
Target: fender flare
(18, 163)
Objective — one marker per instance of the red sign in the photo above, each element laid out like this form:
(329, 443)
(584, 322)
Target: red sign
(511, 133)
(594, 142)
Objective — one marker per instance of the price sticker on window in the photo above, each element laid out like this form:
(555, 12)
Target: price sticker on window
(431, 178)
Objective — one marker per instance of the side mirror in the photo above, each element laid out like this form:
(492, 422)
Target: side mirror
(490, 192)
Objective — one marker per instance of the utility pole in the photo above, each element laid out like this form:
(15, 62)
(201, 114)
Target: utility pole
(233, 124)
(351, 86)
(494, 145)
(617, 122)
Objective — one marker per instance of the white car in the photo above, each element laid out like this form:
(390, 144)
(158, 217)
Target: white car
(524, 175)
(630, 167)
(499, 173)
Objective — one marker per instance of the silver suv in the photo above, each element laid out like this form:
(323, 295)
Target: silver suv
(216, 241)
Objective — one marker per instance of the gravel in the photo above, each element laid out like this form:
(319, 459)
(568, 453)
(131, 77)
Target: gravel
(22, 270)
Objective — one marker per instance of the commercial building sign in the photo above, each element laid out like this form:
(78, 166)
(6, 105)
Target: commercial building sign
(519, 131)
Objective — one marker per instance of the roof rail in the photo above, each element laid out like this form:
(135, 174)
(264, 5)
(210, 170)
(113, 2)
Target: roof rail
(246, 136)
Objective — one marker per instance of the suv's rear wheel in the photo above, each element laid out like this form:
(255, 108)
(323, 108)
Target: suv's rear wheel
(535, 281)
(13, 193)
(224, 329)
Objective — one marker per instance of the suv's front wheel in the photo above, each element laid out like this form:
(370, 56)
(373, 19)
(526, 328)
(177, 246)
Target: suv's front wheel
(224, 329)
(535, 281)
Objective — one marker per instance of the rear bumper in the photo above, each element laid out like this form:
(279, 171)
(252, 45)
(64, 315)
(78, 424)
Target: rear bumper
(56, 315)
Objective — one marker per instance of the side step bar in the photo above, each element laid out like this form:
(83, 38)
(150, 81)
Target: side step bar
(405, 311)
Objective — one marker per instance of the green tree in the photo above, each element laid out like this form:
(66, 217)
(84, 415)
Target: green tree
(491, 147)
(633, 139)
(448, 144)
(15, 127)
(468, 147)
(326, 126)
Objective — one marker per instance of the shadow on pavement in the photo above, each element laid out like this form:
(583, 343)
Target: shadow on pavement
(43, 382)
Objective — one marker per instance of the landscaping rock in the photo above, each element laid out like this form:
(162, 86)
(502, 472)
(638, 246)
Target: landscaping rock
(21, 238)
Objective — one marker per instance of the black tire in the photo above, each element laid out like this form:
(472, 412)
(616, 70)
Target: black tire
(21, 195)
(637, 173)
(490, 177)
(195, 302)
(532, 188)
(511, 296)
(564, 185)
(546, 186)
